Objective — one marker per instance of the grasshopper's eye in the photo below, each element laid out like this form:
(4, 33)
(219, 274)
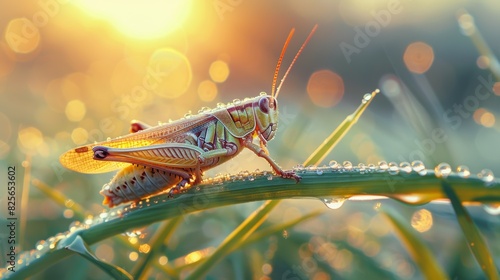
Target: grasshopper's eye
(264, 105)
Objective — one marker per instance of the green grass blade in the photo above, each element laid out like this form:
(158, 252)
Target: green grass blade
(163, 234)
(237, 236)
(79, 246)
(469, 28)
(260, 234)
(330, 183)
(24, 201)
(326, 147)
(265, 232)
(475, 241)
(416, 247)
(59, 198)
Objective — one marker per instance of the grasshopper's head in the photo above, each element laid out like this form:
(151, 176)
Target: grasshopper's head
(266, 114)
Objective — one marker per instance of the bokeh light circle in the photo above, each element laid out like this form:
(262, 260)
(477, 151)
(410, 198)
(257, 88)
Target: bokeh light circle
(325, 88)
(418, 57)
(22, 35)
(169, 73)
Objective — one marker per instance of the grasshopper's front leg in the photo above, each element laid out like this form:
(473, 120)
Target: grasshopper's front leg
(262, 152)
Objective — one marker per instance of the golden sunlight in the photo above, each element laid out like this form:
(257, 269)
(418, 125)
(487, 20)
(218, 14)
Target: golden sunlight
(140, 19)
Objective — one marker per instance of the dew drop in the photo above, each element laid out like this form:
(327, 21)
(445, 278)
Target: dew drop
(347, 165)
(319, 171)
(251, 178)
(382, 166)
(442, 170)
(333, 165)
(134, 233)
(299, 167)
(103, 215)
(492, 208)
(486, 175)
(236, 101)
(334, 202)
(405, 167)
(419, 167)
(362, 168)
(463, 171)
(108, 139)
(371, 168)
(262, 93)
(88, 221)
(220, 105)
(40, 245)
(393, 168)
(204, 110)
(75, 226)
(366, 97)
(269, 177)
(312, 168)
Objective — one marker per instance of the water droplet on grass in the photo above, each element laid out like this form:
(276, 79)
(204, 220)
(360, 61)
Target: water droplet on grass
(362, 168)
(347, 165)
(366, 97)
(40, 245)
(371, 168)
(334, 202)
(442, 170)
(486, 175)
(419, 167)
(393, 168)
(492, 208)
(405, 167)
(463, 171)
(382, 166)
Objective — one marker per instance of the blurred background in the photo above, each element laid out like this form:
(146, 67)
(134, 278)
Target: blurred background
(73, 72)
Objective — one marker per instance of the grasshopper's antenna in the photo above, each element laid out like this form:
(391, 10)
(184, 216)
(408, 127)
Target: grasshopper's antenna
(293, 61)
(281, 59)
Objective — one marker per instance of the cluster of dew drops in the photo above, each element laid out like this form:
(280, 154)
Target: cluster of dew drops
(44, 246)
(220, 105)
(442, 170)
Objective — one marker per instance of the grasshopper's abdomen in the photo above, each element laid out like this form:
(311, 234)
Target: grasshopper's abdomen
(136, 182)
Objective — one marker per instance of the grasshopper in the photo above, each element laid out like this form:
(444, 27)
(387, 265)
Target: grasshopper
(172, 157)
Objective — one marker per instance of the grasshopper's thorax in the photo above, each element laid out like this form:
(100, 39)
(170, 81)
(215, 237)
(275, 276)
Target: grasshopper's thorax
(266, 115)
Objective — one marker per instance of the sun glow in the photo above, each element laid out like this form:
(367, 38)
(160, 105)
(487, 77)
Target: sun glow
(140, 19)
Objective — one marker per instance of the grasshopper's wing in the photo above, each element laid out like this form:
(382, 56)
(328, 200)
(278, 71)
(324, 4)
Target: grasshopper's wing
(158, 156)
(82, 160)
